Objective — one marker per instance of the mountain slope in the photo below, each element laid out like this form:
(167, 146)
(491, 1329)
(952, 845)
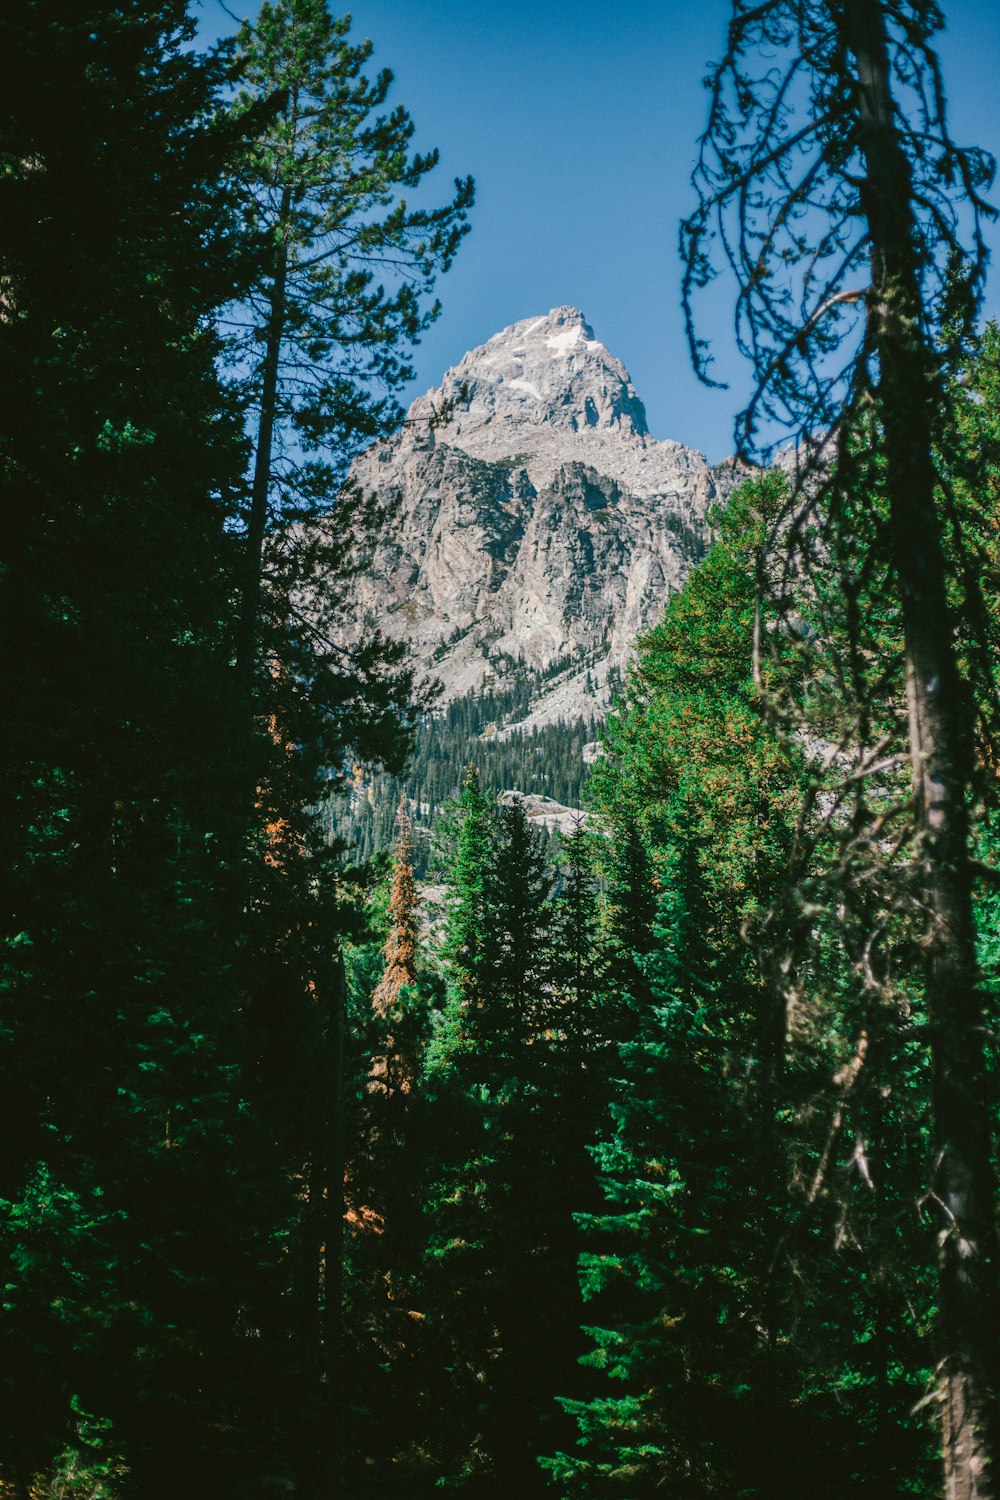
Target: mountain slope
(539, 527)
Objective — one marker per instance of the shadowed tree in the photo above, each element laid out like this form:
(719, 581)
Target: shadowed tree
(318, 345)
(830, 186)
(141, 1204)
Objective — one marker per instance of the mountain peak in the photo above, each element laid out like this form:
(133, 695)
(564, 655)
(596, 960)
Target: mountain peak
(561, 330)
(537, 522)
(547, 373)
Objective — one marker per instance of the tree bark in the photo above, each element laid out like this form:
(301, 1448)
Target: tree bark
(332, 1247)
(248, 628)
(320, 1458)
(941, 747)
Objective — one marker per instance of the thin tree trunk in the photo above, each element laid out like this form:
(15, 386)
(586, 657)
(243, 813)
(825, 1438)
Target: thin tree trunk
(332, 1250)
(320, 1460)
(940, 732)
(247, 633)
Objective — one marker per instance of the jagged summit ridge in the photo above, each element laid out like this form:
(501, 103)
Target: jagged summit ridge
(536, 396)
(548, 372)
(538, 523)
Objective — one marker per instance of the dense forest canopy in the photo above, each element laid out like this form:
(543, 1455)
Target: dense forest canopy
(655, 1158)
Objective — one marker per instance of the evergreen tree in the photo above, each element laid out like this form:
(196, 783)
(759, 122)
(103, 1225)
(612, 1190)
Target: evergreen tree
(321, 338)
(687, 1339)
(397, 1067)
(142, 1205)
(828, 162)
(513, 1006)
(312, 344)
(467, 917)
(745, 1272)
(500, 1287)
(578, 960)
(386, 1172)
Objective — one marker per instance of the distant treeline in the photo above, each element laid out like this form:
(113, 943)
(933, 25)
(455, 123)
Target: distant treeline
(472, 731)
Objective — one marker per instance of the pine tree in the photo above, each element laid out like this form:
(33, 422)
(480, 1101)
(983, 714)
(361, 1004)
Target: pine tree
(500, 1287)
(313, 343)
(386, 1171)
(322, 339)
(401, 944)
(132, 1171)
(515, 966)
(467, 918)
(685, 1338)
(829, 173)
(577, 962)
(745, 1258)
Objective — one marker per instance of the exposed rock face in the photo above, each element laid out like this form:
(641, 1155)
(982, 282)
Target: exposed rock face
(545, 812)
(539, 522)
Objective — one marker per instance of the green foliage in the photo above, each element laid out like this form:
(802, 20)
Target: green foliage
(741, 1276)
(477, 729)
(256, 1226)
(88, 1469)
(123, 1041)
(576, 964)
(168, 1011)
(325, 183)
(507, 1117)
(317, 345)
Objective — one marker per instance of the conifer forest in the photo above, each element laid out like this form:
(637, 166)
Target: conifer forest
(364, 1138)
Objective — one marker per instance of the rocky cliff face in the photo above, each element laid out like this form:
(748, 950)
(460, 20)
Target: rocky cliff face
(538, 522)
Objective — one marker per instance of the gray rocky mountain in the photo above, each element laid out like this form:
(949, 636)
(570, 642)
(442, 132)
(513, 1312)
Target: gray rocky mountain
(539, 524)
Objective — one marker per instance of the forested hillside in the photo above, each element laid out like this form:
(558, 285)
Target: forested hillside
(361, 1138)
(480, 730)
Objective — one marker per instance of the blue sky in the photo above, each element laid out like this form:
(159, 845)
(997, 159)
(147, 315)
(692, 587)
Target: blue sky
(579, 122)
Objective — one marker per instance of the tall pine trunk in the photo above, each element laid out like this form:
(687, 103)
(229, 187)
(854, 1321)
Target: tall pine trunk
(940, 732)
(248, 628)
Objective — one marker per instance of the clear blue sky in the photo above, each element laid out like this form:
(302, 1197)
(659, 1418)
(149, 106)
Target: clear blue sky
(579, 122)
